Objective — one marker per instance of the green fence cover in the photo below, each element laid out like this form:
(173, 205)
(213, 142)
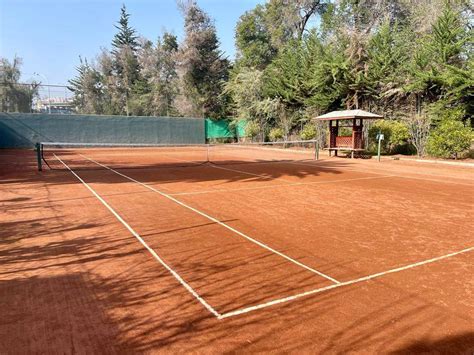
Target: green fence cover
(22, 130)
(224, 129)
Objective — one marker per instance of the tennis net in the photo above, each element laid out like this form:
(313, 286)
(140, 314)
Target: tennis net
(140, 156)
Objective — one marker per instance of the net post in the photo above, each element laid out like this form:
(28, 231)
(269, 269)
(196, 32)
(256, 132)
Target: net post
(316, 150)
(39, 156)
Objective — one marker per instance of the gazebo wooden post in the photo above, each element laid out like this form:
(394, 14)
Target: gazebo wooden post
(343, 143)
(330, 137)
(353, 137)
(362, 133)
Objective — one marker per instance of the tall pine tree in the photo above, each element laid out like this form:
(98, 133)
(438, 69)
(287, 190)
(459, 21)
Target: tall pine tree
(126, 68)
(202, 65)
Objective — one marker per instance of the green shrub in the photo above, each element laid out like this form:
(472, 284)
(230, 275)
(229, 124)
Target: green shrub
(345, 131)
(449, 139)
(252, 129)
(308, 132)
(275, 134)
(396, 134)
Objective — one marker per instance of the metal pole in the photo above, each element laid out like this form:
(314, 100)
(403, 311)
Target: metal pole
(49, 99)
(316, 153)
(38, 156)
(378, 149)
(49, 90)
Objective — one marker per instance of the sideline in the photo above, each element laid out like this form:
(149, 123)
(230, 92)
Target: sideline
(140, 239)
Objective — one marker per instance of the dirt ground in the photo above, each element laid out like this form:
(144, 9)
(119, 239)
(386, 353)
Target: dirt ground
(330, 256)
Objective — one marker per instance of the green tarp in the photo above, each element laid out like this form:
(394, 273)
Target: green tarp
(224, 129)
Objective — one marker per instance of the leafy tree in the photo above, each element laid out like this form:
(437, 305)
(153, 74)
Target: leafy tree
(246, 89)
(437, 53)
(15, 97)
(263, 31)
(289, 20)
(166, 83)
(253, 40)
(285, 77)
(329, 76)
(448, 37)
(386, 62)
(203, 68)
(158, 69)
(112, 103)
(459, 89)
(87, 88)
(450, 139)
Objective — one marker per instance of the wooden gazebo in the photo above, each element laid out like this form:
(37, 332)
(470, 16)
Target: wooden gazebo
(354, 142)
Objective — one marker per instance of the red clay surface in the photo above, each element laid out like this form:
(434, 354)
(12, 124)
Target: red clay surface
(74, 279)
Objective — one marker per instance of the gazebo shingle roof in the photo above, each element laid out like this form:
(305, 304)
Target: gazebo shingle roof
(348, 114)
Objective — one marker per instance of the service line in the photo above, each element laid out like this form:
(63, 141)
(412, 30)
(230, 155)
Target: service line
(258, 306)
(265, 187)
(215, 220)
(345, 283)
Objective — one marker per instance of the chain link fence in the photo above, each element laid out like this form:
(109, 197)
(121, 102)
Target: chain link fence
(36, 98)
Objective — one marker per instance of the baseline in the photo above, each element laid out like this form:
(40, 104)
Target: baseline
(376, 173)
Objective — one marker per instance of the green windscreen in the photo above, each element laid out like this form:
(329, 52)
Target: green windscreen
(21, 130)
(224, 128)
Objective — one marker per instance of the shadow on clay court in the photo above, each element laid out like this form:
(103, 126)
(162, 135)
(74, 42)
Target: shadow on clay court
(459, 343)
(54, 314)
(103, 293)
(162, 173)
(78, 312)
(71, 285)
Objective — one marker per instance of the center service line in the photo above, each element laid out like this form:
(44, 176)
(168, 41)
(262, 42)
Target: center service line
(217, 221)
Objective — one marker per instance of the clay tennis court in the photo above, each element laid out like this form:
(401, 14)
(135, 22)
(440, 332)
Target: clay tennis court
(111, 250)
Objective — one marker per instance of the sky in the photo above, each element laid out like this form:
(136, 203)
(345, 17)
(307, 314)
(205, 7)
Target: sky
(50, 35)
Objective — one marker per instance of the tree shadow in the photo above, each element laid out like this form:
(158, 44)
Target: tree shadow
(85, 285)
(54, 314)
(454, 344)
(149, 169)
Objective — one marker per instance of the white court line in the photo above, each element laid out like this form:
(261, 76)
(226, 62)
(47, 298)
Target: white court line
(278, 185)
(256, 307)
(248, 173)
(378, 173)
(217, 222)
(215, 166)
(345, 283)
(140, 239)
(290, 182)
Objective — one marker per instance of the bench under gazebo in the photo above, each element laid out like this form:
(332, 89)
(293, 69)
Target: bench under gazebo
(353, 143)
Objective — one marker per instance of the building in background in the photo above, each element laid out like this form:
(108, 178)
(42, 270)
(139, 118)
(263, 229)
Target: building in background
(61, 105)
